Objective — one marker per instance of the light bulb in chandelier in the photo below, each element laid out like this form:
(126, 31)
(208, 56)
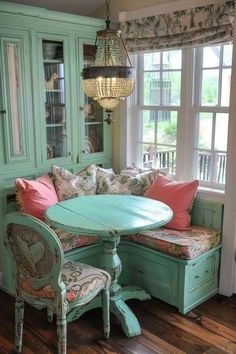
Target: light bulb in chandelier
(108, 80)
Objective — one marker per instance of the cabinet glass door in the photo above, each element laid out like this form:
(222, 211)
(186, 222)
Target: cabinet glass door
(93, 114)
(55, 107)
(16, 146)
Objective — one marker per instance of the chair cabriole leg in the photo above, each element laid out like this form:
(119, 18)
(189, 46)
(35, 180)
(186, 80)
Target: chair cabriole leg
(106, 312)
(19, 320)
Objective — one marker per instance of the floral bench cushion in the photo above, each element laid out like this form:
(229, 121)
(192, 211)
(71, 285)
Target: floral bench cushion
(70, 240)
(179, 244)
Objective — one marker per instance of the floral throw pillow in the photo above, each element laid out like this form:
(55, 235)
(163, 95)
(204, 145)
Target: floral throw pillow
(125, 184)
(140, 183)
(113, 184)
(69, 185)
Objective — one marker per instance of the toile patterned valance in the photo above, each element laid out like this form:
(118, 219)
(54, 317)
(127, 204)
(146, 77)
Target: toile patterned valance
(191, 27)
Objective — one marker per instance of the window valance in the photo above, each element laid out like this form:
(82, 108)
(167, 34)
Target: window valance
(207, 24)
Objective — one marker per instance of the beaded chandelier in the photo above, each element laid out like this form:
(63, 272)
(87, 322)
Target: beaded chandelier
(108, 80)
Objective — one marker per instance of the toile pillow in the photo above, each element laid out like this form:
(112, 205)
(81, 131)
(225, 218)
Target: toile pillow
(139, 184)
(125, 184)
(69, 185)
(116, 184)
(107, 172)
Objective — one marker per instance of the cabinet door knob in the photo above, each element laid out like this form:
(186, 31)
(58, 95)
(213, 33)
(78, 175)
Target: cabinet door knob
(3, 111)
(81, 108)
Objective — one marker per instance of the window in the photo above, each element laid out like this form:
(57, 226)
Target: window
(213, 67)
(181, 93)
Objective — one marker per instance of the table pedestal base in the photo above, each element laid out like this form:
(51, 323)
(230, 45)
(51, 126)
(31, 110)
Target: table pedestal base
(124, 314)
(118, 307)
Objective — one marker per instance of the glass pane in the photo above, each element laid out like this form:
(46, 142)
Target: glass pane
(205, 130)
(148, 133)
(225, 88)
(209, 95)
(171, 86)
(203, 165)
(221, 131)
(172, 59)
(56, 141)
(152, 88)
(152, 61)
(228, 50)
(93, 138)
(55, 116)
(211, 56)
(14, 88)
(88, 52)
(166, 127)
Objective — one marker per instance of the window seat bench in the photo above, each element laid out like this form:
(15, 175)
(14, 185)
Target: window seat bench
(180, 268)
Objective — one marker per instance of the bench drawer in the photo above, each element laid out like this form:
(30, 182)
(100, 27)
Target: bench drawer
(202, 272)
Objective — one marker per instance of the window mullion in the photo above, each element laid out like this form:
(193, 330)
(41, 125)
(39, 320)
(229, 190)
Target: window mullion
(220, 76)
(161, 78)
(213, 159)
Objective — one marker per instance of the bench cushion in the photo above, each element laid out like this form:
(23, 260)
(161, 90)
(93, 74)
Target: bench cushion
(180, 244)
(70, 240)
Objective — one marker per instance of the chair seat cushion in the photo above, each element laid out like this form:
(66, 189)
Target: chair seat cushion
(180, 244)
(70, 240)
(81, 281)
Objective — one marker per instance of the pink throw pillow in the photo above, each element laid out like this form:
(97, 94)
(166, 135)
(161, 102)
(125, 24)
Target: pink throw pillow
(36, 196)
(178, 196)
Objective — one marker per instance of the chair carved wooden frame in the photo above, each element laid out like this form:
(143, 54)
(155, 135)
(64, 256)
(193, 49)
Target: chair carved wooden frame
(44, 279)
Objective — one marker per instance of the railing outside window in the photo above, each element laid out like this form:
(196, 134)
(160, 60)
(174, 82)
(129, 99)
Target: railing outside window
(167, 160)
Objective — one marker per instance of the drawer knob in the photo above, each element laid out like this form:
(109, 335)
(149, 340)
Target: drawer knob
(197, 277)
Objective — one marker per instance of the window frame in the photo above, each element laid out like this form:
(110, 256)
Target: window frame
(187, 127)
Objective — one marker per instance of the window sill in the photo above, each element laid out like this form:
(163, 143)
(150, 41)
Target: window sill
(214, 195)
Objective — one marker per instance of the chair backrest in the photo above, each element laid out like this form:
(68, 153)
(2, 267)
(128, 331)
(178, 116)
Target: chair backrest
(36, 251)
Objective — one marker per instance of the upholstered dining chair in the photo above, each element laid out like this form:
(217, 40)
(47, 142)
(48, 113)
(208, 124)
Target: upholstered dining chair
(45, 279)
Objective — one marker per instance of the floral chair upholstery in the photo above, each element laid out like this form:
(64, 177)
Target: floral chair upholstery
(42, 276)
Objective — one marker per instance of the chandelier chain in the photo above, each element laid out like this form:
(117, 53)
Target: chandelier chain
(107, 10)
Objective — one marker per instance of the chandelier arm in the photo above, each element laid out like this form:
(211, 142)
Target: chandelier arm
(95, 49)
(126, 52)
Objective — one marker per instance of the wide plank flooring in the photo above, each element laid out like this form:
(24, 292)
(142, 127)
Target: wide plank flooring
(209, 329)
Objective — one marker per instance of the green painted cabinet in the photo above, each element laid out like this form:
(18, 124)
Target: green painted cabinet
(45, 117)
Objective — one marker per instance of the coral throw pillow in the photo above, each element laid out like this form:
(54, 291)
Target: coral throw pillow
(36, 196)
(178, 196)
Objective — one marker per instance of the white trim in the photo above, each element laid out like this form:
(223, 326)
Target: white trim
(227, 272)
(164, 8)
(214, 195)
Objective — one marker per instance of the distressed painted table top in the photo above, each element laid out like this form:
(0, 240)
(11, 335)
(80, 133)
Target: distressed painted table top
(107, 215)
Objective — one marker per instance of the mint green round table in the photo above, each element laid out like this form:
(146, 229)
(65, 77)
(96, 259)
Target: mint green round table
(111, 216)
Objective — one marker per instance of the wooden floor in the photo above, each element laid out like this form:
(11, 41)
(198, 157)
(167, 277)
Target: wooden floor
(210, 328)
